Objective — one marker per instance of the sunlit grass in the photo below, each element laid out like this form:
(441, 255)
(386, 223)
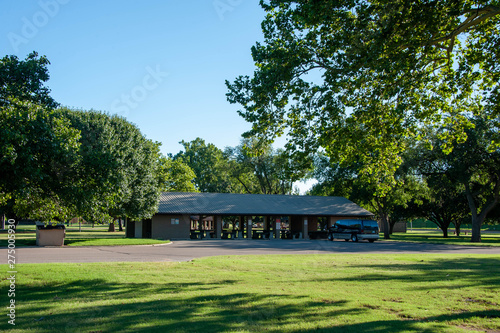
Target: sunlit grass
(88, 236)
(278, 293)
(436, 237)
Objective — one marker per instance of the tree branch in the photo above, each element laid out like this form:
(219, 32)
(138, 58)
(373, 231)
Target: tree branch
(489, 11)
(496, 198)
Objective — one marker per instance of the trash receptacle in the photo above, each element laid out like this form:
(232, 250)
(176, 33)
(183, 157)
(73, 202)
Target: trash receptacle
(50, 235)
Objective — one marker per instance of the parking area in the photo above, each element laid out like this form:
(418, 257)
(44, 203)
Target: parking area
(186, 250)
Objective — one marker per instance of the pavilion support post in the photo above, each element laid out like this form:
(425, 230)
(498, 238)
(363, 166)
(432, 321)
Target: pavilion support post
(277, 228)
(289, 217)
(305, 228)
(218, 226)
(241, 228)
(266, 224)
(332, 220)
(249, 227)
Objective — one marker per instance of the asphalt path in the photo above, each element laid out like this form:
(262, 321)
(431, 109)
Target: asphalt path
(186, 250)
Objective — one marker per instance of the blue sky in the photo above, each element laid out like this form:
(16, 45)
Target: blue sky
(161, 64)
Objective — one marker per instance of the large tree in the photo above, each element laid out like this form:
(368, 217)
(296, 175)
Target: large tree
(37, 146)
(360, 79)
(337, 180)
(473, 165)
(118, 171)
(61, 163)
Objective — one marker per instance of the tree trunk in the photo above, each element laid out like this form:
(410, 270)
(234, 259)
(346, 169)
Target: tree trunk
(111, 227)
(445, 232)
(120, 225)
(477, 221)
(386, 227)
(391, 227)
(2, 222)
(80, 224)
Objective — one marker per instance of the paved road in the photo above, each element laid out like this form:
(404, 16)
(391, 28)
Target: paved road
(189, 249)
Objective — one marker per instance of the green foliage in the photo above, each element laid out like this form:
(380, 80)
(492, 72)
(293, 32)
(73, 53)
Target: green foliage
(443, 199)
(37, 146)
(472, 168)
(397, 205)
(23, 81)
(361, 79)
(252, 167)
(263, 170)
(118, 170)
(42, 207)
(176, 176)
(62, 163)
(210, 166)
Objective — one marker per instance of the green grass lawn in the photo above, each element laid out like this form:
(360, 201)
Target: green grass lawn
(97, 236)
(274, 293)
(432, 236)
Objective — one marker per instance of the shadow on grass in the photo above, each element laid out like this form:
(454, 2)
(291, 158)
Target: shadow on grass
(439, 324)
(486, 239)
(19, 242)
(113, 242)
(195, 313)
(484, 272)
(179, 313)
(122, 241)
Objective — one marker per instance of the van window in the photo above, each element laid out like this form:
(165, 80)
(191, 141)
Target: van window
(348, 224)
(340, 225)
(370, 225)
(355, 225)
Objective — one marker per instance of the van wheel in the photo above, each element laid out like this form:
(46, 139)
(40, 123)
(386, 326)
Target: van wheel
(371, 240)
(354, 237)
(347, 239)
(330, 237)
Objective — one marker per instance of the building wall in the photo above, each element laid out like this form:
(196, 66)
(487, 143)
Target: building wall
(163, 228)
(333, 219)
(130, 229)
(138, 229)
(312, 223)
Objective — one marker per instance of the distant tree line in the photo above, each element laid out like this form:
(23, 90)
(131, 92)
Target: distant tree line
(252, 167)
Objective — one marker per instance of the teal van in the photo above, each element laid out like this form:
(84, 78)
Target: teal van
(354, 230)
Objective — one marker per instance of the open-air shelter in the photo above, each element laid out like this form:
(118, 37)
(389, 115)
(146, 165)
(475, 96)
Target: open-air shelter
(225, 215)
